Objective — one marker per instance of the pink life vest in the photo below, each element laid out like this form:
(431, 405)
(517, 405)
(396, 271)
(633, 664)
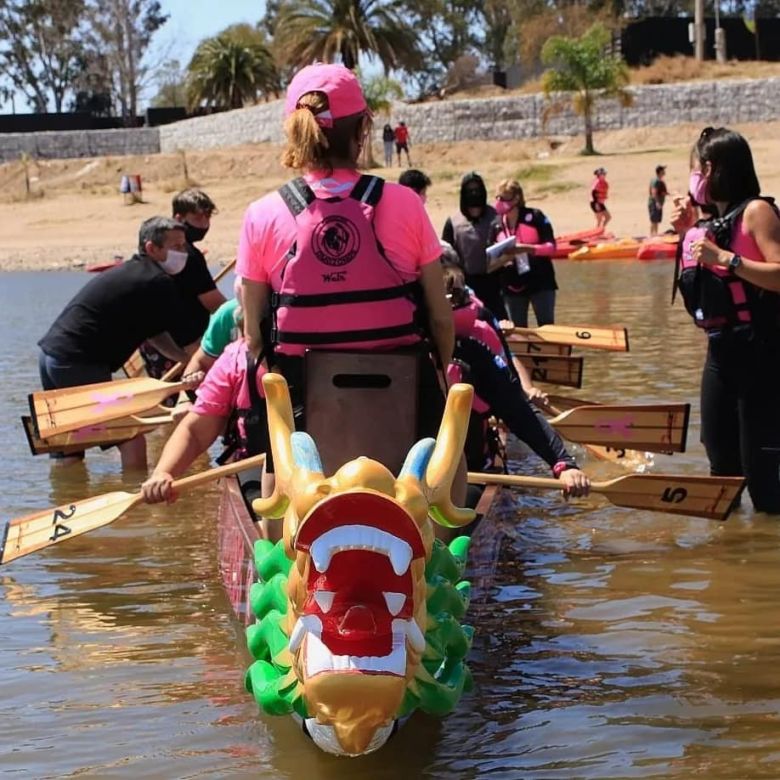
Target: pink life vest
(467, 325)
(337, 289)
(714, 297)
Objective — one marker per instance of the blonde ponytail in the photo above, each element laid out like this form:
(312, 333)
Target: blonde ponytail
(307, 146)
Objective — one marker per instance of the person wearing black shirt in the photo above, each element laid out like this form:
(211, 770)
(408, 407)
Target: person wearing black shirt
(107, 320)
(199, 293)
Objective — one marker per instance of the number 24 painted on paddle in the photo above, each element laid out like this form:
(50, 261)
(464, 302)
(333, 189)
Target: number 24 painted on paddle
(60, 529)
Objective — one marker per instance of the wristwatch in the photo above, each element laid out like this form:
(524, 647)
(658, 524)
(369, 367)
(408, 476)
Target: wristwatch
(734, 263)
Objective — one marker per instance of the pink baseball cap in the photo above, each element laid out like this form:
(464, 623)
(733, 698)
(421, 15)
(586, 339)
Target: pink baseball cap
(339, 84)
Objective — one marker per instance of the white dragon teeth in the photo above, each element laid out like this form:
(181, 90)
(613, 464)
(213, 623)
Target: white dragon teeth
(310, 623)
(394, 601)
(415, 636)
(360, 537)
(324, 599)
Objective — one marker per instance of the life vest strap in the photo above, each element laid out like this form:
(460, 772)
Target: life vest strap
(297, 195)
(347, 296)
(318, 338)
(368, 190)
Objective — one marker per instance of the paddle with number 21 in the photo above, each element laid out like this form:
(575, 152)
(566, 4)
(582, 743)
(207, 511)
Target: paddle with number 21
(710, 497)
(35, 532)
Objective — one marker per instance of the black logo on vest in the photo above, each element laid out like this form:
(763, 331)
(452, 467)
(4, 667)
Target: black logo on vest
(335, 241)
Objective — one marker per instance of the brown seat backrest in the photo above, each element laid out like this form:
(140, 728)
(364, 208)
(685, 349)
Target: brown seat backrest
(361, 403)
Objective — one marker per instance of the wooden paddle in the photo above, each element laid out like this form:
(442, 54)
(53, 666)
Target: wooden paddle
(556, 370)
(134, 365)
(710, 497)
(650, 427)
(70, 408)
(524, 347)
(102, 434)
(613, 339)
(28, 534)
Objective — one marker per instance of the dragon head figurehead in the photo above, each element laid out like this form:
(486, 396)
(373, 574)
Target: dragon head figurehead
(359, 545)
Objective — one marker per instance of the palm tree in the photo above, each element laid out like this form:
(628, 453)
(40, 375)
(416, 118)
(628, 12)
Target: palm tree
(327, 30)
(584, 70)
(231, 69)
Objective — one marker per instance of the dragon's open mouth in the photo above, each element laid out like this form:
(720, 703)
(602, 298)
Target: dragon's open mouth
(358, 612)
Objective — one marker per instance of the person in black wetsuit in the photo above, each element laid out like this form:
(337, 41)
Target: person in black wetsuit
(730, 283)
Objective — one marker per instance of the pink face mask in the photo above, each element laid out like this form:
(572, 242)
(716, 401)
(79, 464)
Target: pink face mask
(698, 186)
(503, 207)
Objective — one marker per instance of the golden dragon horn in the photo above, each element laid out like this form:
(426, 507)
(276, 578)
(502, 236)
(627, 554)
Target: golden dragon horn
(446, 457)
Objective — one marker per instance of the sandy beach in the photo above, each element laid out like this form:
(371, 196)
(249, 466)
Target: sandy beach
(75, 215)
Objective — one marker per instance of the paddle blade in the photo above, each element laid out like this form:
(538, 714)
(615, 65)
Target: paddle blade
(611, 339)
(651, 427)
(565, 371)
(70, 408)
(134, 366)
(520, 346)
(710, 497)
(27, 534)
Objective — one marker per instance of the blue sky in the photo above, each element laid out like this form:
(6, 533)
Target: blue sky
(193, 20)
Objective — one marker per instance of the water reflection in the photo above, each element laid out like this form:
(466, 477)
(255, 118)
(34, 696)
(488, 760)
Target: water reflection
(610, 642)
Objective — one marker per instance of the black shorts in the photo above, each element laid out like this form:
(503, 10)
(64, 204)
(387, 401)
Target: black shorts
(597, 207)
(401, 147)
(656, 212)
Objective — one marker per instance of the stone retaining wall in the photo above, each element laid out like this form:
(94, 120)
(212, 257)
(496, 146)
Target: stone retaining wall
(523, 116)
(718, 103)
(80, 143)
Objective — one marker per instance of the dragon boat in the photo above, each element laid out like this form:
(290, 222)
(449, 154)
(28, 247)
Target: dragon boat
(354, 617)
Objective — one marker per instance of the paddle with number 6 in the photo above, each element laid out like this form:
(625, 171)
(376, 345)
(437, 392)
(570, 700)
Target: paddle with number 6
(710, 497)
(35, 532)
(611, 339)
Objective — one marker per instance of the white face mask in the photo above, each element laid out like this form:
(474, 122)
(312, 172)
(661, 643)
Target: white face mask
(174, 262)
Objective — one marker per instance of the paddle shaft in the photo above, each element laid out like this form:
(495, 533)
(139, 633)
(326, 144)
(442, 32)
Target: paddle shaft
(28, 534)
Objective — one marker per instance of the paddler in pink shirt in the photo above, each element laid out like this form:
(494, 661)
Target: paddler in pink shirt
(339, 261)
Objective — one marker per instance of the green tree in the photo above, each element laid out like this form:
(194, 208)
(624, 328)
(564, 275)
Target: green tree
(232, 69)
(40, 48)
(171, 85)
(380, 91)
(330, 30)
(586, 71)
(119, 35)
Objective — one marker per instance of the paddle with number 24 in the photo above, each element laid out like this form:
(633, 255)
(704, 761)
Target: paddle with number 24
(35, 532)
(710, 497)
(612, 339)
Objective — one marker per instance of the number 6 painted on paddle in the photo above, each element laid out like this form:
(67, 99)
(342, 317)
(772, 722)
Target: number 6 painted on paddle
(674, 495)
(583, 334)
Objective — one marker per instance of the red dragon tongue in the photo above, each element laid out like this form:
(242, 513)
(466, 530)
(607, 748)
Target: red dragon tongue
(357, 620)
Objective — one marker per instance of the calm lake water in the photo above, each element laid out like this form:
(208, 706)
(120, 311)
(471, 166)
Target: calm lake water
(610, 643)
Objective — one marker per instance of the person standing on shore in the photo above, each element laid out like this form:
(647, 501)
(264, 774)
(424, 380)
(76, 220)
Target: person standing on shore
(729, 278)
(402, 142)
(468, 232)
(108, 319)
(388, 140)
(655, 203)
(599, 192)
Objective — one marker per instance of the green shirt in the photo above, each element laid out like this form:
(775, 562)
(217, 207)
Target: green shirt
(221, 330)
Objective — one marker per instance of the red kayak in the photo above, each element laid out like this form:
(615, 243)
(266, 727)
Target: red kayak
(96, 268)
(657, 250)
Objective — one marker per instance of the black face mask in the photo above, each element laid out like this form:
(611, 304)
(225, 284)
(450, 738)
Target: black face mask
(194, 234)
(473, 199)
